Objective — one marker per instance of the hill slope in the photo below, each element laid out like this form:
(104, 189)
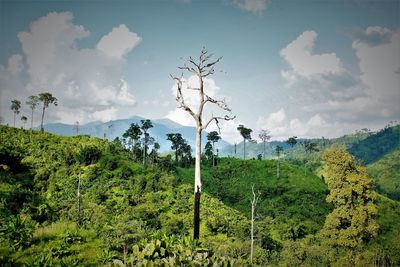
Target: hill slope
(386, 173)
(124, 203)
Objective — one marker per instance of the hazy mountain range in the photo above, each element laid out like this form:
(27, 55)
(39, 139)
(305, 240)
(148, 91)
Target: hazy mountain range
(116, 128)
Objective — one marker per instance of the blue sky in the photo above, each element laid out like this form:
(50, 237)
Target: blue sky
(305, 68)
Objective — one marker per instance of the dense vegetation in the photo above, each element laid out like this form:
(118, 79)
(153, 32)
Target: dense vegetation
(131, 213)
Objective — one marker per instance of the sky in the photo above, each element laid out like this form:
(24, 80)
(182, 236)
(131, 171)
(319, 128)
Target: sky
(304, 68)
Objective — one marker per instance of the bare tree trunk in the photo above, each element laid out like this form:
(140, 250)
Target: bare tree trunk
(244, 148)
(79, 199)
(32, 120)
(252, 232)
(41, 124)
(213, 157)
(253, 207)
(264, 149)
(277, 168)
(144, 152)
(125, 253)
(15, 114)
(197, 186)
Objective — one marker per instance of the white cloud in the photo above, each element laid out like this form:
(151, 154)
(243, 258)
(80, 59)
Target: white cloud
(15, 64)
(118, 42)
(282, 127)
(380, 66)
(105, 115)
(299, 55)
(254, 6)
(191, 98)
(343, 99)
(88, 82)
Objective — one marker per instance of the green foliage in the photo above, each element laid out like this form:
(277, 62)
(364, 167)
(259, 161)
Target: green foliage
(124, 204)
(386, 173)
(173, 251)
(353, 219)
(287, 200)
(375, 146)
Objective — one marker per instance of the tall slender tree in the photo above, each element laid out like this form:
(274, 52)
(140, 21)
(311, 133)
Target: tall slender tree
(278, 152)
(309, 147)
(24, 119)
(133, 134)
(246, 134)
(156, 147)
(213, 137)
(32, 102)
(292, 141)
(253, 209)
(15, 107)
(76, 127)
(201, 68)
(146, 125)
(176, 142)
(46, 99)
(264, 135)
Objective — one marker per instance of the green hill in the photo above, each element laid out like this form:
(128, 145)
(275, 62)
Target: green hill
(376, 145)
(386, 173)
(294, 202)
(144, 213)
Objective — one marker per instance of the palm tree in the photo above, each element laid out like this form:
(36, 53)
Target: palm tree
(213, 137)
(32, 102)
(292, 141)
(46, 99)
(264, 135)
(24, 119)
(309, 147)
(15, 107)
(146, 124)
(246, 134)
(133, 133)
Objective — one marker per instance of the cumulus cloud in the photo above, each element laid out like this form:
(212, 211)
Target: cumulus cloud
(15, 64)
(88, 82)
(192, 100)
(380, 66)
(118, 42)
(299, 55)
(372, 36)
(282, 127)
(343, 100)
(320, 77)
(254, 6)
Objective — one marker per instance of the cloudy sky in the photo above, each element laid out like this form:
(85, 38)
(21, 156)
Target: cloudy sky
(305, 68)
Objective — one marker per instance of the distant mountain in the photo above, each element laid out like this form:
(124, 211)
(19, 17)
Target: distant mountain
(366, 146)
(116, 128)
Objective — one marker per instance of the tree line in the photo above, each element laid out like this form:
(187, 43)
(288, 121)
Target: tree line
(45, 99)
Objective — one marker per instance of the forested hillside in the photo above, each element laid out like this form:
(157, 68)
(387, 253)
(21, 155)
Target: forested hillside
(82, 201)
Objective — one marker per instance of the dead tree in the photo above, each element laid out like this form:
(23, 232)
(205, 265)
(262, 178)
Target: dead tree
(78, 194)
(253, 208)
(202, 68)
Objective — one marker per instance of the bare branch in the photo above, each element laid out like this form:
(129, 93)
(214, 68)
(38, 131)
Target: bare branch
(221, 103)
(209, 65)
(214, 118)
(192, 70)
(179, 97)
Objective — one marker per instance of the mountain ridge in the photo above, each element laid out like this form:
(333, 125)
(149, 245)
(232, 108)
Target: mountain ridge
(115, 128)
